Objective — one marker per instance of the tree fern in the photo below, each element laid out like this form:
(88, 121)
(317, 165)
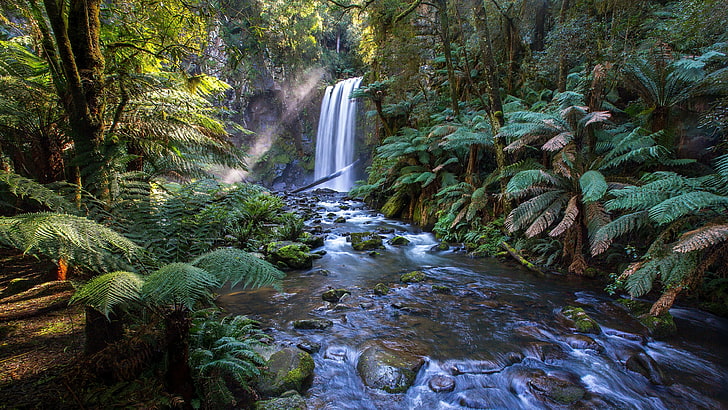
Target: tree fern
(673, 208)
(180, 285)
(527, 211)
(61, 236)
(702, 238)
(111, 290)
(526, 179)
(570, 215)
(236, 266)
(593, 186)
(27, 188)
(546, 218)
(604, 236)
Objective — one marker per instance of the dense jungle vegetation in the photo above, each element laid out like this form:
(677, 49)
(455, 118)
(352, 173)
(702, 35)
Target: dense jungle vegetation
(588, 134)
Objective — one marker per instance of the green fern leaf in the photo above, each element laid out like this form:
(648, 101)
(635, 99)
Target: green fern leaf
(179, 284)
(676, 207)
(593, 186)
(108, 291)
(604, 236)
(237, 266)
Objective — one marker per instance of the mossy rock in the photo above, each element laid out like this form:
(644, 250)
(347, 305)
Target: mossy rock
(287, 369)
(387, 369)
(559, 390)
(340, 220)
(381, 289)
(645, 365)
(313, 241)
(366, 241)
(441, 289)
(289, 255)
(288, 401)
(334, 295)
(581, 320)
(413, 277)
(658, 327)
(399, 241)
(442, 246)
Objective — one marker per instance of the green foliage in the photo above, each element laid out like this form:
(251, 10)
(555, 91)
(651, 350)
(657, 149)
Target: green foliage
(110, 291)
(75, 239)
(27, 188)
(222, 351)
(236, 266)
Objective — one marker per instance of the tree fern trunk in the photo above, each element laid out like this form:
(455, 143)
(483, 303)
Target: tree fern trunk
(664, 303)
(445, 33)
(100, 331)
(179, 375)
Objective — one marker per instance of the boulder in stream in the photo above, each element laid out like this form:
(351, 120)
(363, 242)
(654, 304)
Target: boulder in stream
(556, 389)
(658, 327)
(365, 241)
(334, 295)
(399, 240)
(441, 383)
(387, 369)
(380, 289)
(289, 255)
(317, 324)
(313, 241)
(645, 365)
(289, 400)
(413, 277)
(580, 320)
(287, 369)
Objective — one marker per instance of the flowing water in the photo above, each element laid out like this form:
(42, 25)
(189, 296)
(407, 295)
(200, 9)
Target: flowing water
(336, 135)
(498, 335)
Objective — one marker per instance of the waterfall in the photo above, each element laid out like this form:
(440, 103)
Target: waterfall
(336, 133)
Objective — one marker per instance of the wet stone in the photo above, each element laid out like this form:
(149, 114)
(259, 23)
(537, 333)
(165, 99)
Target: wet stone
(309, 347)
(578, 341)
(334, 295)
(380, 289)
(441, 289)
(559, 390)
(365, 241)
(399, 241)
(340, 220)
(389, 370)
(580, 320)
(413, 277)
(316, 324)
(645, 365)
(440, 384)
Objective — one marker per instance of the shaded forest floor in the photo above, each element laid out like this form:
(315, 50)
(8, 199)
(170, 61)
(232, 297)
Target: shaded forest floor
(40, 335)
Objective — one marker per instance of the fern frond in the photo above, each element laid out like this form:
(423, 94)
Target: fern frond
(593, 186)
(61, 235)
(237, 266)
(526, 179)
(546, 218)
(570, 214)
(558, 141)
(179, 284)
(105, 292)
(673, 208)
(640, 281)
(27, 188)
(604, 236)
(701, 238)
(527, 211)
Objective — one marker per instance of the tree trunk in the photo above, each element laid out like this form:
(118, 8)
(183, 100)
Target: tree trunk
(664, 303)
(490, 71)
(77, 32)
(100, 331)
(445, 33)
(563, 68)
(179, 375)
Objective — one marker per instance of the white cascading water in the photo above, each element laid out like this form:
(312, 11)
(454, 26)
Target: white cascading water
(336, 134)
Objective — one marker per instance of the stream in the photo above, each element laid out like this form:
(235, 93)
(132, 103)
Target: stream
(495, 339)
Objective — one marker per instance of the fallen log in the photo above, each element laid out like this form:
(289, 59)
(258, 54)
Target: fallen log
(523, 261)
